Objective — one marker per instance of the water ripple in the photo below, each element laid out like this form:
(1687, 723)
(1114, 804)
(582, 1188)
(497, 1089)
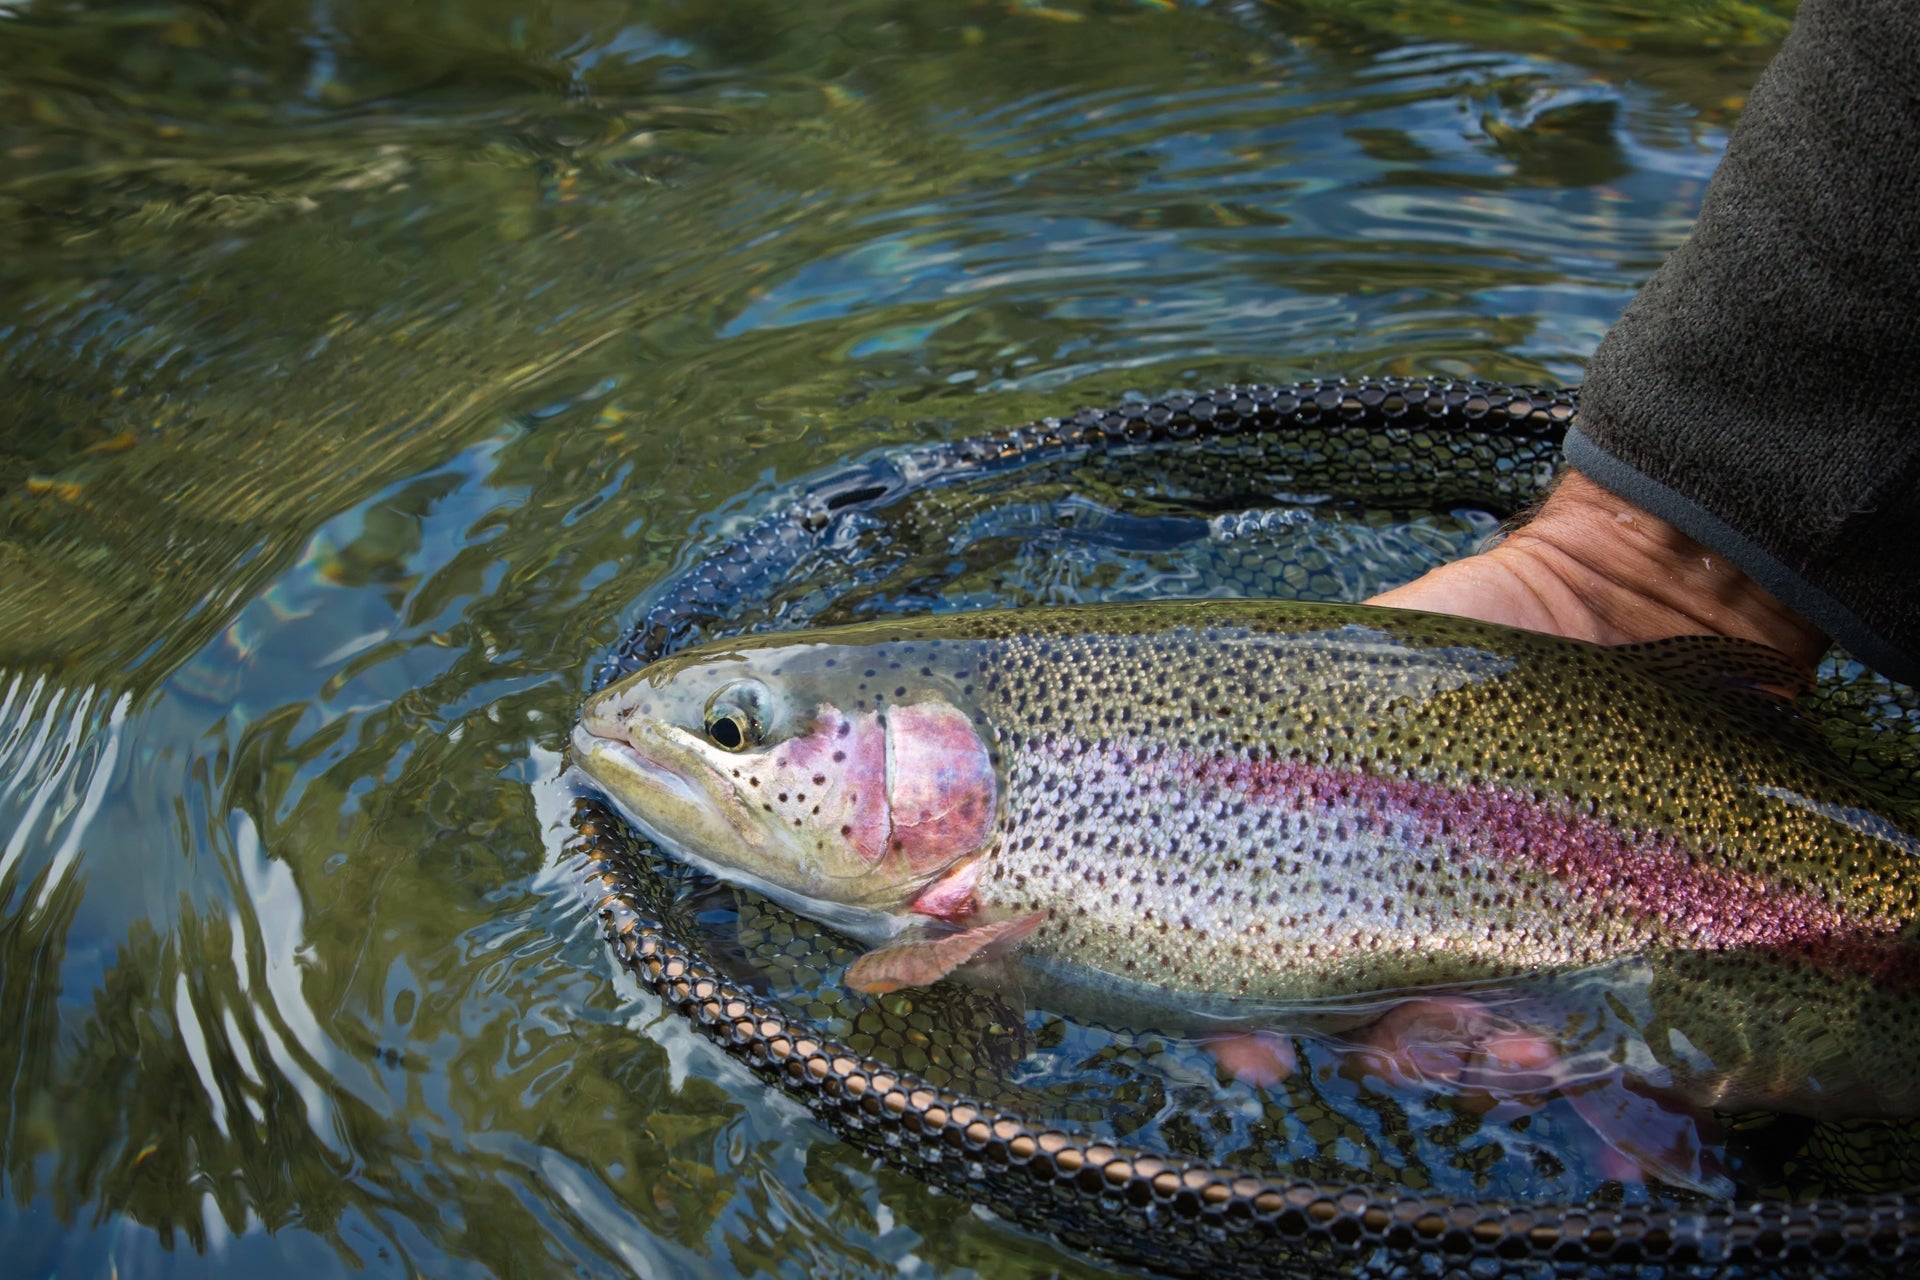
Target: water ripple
(369, 360)
(58, 749)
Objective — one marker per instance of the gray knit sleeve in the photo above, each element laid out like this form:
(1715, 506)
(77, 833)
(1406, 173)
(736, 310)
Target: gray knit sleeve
(1762, 393)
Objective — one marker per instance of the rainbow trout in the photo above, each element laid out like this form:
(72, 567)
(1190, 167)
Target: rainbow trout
(1276, 802)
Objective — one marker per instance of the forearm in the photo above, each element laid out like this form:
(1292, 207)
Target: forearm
(1759, 395)
(1595, 567)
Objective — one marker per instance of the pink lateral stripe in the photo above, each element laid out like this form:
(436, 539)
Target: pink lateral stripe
(1605, 869)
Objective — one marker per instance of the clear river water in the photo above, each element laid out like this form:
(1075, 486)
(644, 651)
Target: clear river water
(362, 363)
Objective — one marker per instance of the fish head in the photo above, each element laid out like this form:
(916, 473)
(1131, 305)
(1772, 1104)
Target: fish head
(835, 772)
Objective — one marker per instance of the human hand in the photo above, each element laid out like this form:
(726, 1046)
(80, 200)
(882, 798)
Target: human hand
(1594, 566)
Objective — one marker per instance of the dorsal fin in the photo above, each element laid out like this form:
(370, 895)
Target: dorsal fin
(1713, 664)
(1748, 680)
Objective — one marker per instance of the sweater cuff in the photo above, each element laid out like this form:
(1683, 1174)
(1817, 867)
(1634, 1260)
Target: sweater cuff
(1790, 588)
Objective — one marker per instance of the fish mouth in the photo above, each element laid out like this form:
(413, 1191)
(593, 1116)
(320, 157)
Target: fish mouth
(652, 783)
(612, 761)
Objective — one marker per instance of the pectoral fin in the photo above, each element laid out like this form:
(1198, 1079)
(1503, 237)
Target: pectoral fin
(923, 962)
(1659, 1137)
(1467, 1047)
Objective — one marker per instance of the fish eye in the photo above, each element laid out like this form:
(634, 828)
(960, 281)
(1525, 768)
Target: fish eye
(735, 718)
(729, 732)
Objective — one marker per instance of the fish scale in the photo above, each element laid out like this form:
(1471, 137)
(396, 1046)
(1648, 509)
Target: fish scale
(1160, 767)
(1275, 801)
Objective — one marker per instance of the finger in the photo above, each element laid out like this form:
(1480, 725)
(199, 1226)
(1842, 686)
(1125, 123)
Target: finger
(1259, 1058)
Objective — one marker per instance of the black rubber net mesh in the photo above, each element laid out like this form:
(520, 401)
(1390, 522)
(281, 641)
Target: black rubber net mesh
(1137, 1145)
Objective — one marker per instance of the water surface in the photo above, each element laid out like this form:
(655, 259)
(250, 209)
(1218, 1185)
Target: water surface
(364, 362)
